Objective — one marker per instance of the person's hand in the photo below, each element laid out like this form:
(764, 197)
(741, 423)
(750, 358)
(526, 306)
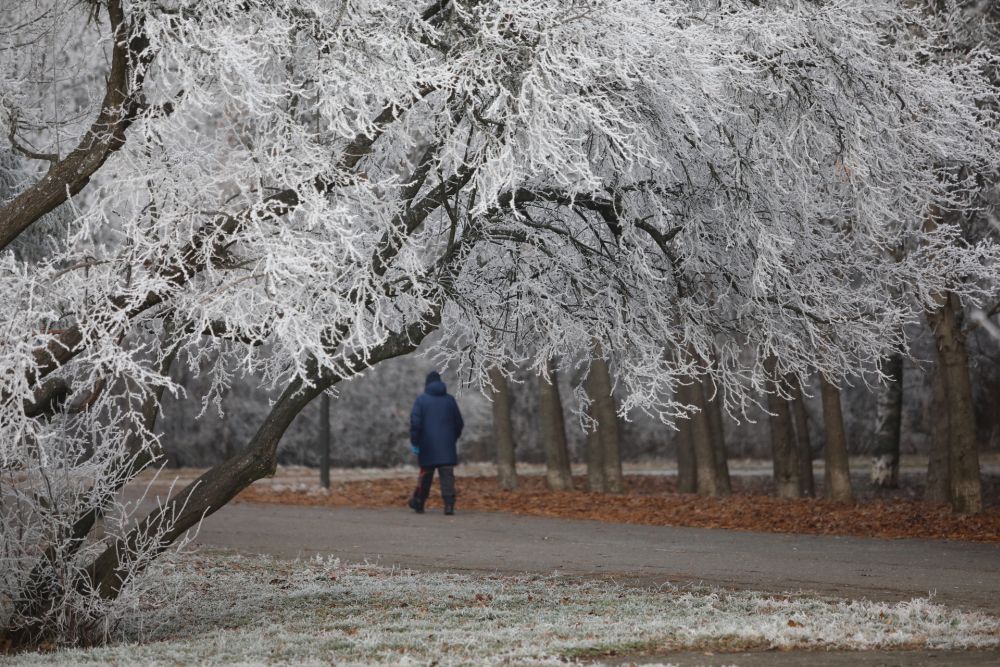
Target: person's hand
(414, 449)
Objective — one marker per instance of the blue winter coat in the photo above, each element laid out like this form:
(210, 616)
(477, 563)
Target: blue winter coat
(436, 424)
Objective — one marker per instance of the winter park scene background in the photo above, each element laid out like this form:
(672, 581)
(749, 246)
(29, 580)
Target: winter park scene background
(715, 285)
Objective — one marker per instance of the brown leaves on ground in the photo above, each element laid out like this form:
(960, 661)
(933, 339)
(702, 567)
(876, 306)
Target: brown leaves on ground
(652, 500)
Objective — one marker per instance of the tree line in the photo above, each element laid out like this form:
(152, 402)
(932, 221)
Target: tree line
(701, 451)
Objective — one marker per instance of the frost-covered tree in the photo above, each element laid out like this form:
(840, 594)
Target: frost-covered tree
(964, 26)
(301, 189)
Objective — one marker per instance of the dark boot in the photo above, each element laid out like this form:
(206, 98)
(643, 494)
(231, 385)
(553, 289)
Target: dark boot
(449, 505)
(423, 488)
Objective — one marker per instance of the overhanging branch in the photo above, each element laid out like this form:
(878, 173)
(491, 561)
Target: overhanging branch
(119, 108)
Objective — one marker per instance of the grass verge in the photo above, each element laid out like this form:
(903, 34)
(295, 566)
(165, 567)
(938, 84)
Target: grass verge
(230, 609)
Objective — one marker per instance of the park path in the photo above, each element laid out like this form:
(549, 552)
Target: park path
(958, 573)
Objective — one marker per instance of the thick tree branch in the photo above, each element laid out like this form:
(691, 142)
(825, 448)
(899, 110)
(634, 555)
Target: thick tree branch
(196, 254)
(48, 398)
(122, 102)
(220, 484)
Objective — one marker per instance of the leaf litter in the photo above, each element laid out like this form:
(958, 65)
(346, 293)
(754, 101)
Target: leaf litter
(653, 500)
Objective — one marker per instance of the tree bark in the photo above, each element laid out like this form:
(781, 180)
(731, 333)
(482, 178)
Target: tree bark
(608, 432)
(503, 431)
(553, 431)
(595, 460)
(783, 451)
(965, 486)
(686, 472)
(701, 439)
(803, 445)
(938, 483)
(324, 440)
(888, 419)
(596, 481)
(837, 473)
(723, 484)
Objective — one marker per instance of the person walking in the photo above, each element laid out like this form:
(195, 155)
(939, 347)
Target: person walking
(435, 426)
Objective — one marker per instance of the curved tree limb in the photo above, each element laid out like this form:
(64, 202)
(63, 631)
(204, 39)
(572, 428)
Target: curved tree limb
(194, 256)
(216, 487)
(121, 105)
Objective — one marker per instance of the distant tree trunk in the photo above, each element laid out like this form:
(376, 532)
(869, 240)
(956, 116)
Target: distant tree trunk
(783, 451)
(937, 462)
(227, 441)
(324, 440)
(713, 405)
(701, 439)
(609, 434)
(686, 474)
(503, 431)
(595, 460)
(723, 484)
(837, 474)
(965, 487)
(553, 431)
(888, 417)
(596, 481)
(807, 482)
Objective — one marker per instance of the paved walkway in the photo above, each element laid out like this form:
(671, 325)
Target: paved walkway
(957, 573)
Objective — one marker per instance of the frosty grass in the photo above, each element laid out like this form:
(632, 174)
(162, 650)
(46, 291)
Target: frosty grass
(214, 608)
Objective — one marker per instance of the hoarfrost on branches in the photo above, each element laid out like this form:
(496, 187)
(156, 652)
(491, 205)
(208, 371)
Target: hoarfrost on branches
(296, 189)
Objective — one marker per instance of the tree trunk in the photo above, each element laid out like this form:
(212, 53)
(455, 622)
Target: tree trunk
(701, 439)
(937, 462)
(39, 591)
(803, 446)
(211, 491)
(596, 481)
(686, 474)
(217, 486)
(553, 431)
(595, 460)
(503, 431)
(783, 451)
(888, 418)
(324, 440)
(606, 413)
(723, 484)
(965, 488)
(837, 474)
